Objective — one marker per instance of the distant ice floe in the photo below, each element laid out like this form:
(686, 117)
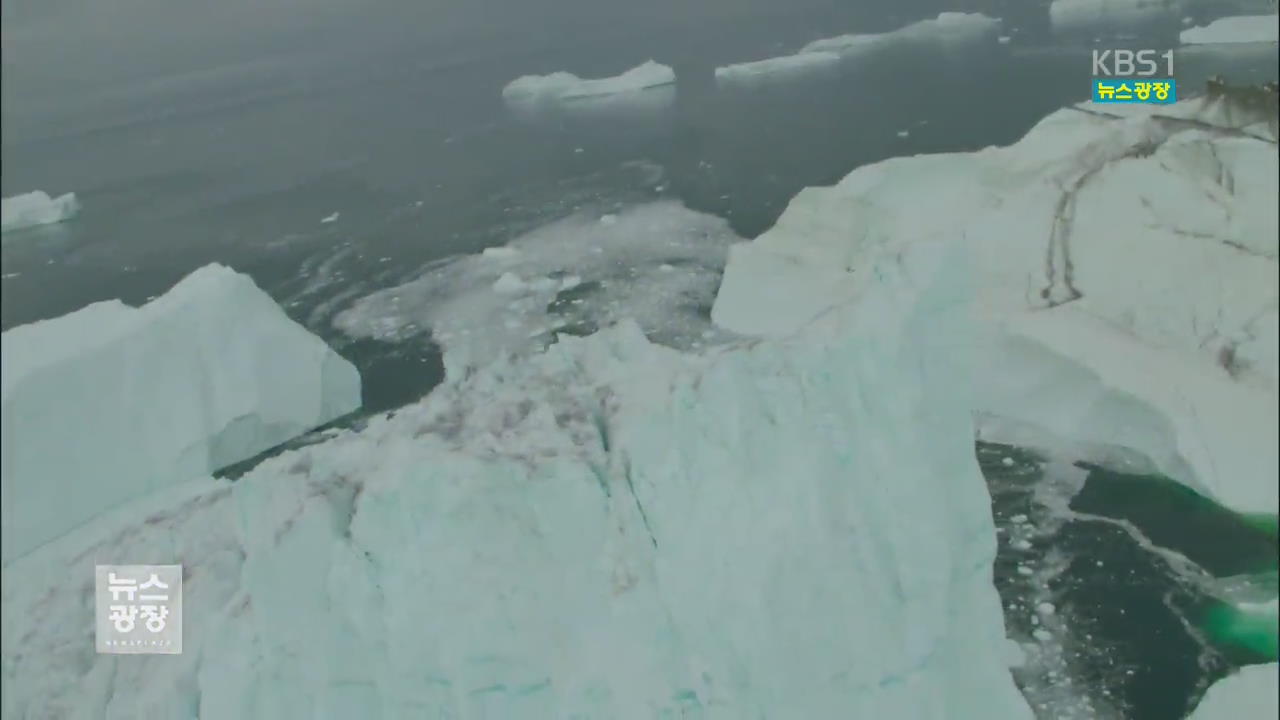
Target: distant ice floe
(1237, 29)
(1089, 17)
(36, 208)
(648, 84)
(785, 68)
(949, 29)
(111, 402)
(1153, 328)
(657, 263)
(1252, 693)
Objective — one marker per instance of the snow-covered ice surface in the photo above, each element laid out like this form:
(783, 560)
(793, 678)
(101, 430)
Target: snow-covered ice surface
(1238, 29)
(36, 208)
(112, 402)
(657, 263)
(607, 529)
(1127, 290)
(948, 29)
(559, 88)
(1251, 694)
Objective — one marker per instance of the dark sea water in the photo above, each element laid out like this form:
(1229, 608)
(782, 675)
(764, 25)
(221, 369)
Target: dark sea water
(1142, 575)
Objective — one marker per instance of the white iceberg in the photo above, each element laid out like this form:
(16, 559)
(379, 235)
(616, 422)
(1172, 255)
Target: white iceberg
(1252, 693)
(1237, 29)
(607, 529)
(36, 208)
(785, 68)
(1127, 281)
(533, 91)
(1085, 17)
(112, 402)
(949, 29)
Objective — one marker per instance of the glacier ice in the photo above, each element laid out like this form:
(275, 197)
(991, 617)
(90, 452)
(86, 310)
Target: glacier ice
(606, 529)
(1235, 29)
(112, 402)
(1253, 693)
(36, 208)
(1154, 330)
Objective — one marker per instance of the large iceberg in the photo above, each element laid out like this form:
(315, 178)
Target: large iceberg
(1127, 280)
(606, 529)
(1237, 29)
(36, 208)
(112, 402)
(1253, 693)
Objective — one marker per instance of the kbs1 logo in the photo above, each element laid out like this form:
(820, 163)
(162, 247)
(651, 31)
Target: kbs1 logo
(1131, 76)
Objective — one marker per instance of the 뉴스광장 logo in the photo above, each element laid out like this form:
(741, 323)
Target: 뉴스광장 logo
(139, 609)
(1127, 76)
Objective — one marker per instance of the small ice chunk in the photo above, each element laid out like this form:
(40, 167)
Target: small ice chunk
(1046, 608)
(1003, 39)
(1018, 519)
(904, 133)
(501, 253)
(509, 284)
(1007, 462)
(1042, 635)
(36, 208)
(1024, 570)
(1021, 544)
(330, 218)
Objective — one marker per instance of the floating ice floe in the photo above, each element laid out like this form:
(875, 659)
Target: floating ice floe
(1125, 274)
(112, 402)
(1091, 17)
(787, 528)
(36, 208)
(1252, 693)
(949, 29)
(1237, 29)
(646, 83)
(784, 69)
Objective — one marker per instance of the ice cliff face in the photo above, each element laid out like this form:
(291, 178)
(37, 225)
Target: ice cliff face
(610, 529)
(112, 402)
(1126, 271)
